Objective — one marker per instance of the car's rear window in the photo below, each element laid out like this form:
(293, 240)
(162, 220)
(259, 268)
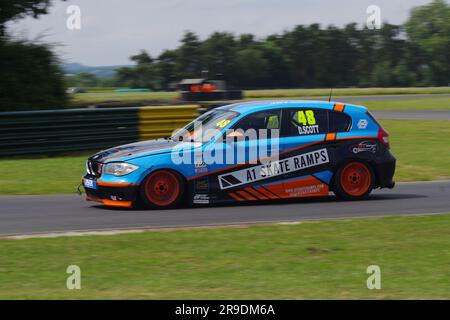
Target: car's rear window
(339, 122)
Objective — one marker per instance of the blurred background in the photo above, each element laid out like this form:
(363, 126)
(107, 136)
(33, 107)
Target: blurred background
(48, 46)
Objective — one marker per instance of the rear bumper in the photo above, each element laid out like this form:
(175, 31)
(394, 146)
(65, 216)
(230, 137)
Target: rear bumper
(384, 170)
(112, 194)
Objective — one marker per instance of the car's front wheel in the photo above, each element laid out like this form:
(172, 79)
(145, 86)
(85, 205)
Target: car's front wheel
(162, 189)
(353, 181)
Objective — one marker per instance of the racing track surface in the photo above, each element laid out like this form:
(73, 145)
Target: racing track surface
(62, 213)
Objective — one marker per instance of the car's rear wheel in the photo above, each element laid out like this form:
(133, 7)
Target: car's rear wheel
(162, 189)
(353, 181)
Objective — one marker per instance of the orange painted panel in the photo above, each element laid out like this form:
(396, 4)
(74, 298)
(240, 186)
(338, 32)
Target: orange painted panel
(302, 187)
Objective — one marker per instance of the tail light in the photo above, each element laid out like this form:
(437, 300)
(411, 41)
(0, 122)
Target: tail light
(383, 136)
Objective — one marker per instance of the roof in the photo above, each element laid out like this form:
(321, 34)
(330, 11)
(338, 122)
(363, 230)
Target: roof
(250, 106)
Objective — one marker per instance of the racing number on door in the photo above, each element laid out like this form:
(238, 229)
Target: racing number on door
(306, 123)
(306, 117)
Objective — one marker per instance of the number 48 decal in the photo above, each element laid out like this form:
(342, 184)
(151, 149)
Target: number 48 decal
(223, 123)
(306, 117)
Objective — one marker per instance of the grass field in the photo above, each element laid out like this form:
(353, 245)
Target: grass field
(138, 97)
(42, 175)
(401, 104)
(97, 95)
(421, 147)
(292, 93)
(408, 104)
(311, 260)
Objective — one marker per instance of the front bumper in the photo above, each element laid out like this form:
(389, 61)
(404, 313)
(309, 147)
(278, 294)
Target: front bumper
(122, 195)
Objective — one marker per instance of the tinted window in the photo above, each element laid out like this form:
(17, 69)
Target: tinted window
(339, 122)
(306, 121)
(263, 120)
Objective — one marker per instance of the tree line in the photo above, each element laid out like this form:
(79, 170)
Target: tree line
(30, 73)
(416, 53)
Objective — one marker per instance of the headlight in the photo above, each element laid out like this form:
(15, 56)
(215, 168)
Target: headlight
(119, 168)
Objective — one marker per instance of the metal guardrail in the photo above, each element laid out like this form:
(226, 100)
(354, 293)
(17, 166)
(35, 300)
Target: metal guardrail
(42, 132)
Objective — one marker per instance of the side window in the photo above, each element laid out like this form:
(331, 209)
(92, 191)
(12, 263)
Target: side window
(306, 121)
(339, 122)
(263, 120)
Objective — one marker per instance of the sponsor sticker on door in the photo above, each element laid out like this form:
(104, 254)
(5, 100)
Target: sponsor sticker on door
(273, 169)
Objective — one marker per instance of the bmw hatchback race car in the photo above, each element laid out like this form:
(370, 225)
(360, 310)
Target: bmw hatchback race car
(250, 151)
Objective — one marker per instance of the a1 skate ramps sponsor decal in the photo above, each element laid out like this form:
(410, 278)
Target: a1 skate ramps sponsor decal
(273, 169)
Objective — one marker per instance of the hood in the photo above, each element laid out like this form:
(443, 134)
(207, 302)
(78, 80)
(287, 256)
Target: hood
(135, 150)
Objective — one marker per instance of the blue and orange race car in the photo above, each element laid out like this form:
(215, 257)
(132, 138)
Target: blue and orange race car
(250, 151)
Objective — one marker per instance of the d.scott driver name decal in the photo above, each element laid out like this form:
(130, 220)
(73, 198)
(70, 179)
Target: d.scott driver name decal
(273, 169)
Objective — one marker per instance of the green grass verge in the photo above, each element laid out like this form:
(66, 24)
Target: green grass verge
(402, 104)
(312, 260)
(407, 104)
(292, 93)
(137, 97)
(421, 147)
(97, 95)
(42, 175)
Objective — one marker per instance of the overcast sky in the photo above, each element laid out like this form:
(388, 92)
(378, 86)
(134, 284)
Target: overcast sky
(113, 30)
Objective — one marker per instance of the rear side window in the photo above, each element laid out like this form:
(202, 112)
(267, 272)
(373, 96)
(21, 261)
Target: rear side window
(339, 122)
(306, 121)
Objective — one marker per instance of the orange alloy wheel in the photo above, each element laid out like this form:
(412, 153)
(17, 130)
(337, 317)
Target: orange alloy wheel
(356, 179)
(162, 188)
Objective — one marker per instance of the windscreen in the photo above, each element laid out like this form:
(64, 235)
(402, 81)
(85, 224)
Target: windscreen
(205, 126)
